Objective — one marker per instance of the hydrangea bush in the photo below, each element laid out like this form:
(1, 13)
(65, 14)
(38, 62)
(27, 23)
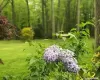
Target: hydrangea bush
(55, 53)
(56, 63)
(52, 63)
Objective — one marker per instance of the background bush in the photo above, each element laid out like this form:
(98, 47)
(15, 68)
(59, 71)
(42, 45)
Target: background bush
(27, 34)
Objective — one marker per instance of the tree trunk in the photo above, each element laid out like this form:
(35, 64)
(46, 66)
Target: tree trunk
(3, 5)
(28, 13)
(78, 14)
(97, 28)
(74, 17)
(68, 17)
(13, 13)
(52, 17)
(58, 17)
(47, 21)
(43, 18)
(0, 10)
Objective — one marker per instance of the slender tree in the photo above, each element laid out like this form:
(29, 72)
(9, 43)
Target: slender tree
(58, 16)
(3, 5)
(47, 20)
(78, 14)
(28, 12)
(97, 28)
(52, 17)
(74, 17)
(68, 16)
(44, 17)
(13, 13)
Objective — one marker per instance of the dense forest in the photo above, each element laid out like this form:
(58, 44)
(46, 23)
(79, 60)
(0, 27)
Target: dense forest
(48, 16)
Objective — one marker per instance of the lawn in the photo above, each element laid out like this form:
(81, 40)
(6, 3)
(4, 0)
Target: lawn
(14, 54)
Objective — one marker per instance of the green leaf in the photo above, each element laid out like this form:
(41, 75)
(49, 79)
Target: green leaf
(32, 61)
(64, 38)
(81, 72)
(73, 29)
(98, 49)
(84, 24)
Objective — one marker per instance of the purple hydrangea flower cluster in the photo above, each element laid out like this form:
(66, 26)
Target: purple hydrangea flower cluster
(70, 63)
(51, 53)
(54, 53)
(66, 53)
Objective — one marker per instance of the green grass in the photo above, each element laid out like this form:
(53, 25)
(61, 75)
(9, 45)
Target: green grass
(14, 54)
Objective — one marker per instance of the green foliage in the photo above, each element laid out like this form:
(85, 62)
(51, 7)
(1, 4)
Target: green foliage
(42, 70)
(82, 25)
(12, 77)
(86, 74)
(76, 40)
(38, 32)
(98, 49)
(60, 10)
(96, 63)
(27, 34)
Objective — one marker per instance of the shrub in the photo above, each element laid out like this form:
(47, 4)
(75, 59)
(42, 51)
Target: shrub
(27, 34)
(38, 32)
(42, 68)
(7, 30)
(76, 40)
